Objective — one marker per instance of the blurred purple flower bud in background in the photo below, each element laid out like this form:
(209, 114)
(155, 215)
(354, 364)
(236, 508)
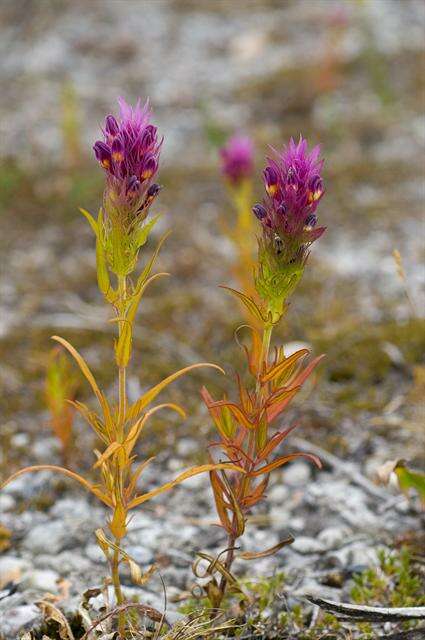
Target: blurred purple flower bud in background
(237, 158)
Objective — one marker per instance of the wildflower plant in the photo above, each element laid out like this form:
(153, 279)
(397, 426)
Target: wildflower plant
(61, 386)
(237, 167)
(129, 155)
(294, 187)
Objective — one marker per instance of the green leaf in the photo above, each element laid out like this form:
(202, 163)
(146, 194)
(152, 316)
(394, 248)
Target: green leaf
(123, 345)
(142, 234)
(92, 222)
(410, 480)
(102, 272)
(249, 303)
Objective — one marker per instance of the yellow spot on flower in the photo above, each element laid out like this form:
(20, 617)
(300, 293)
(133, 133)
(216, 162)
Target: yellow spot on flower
(105, 163)
(271, 189)
(118, 156)
(147, 173)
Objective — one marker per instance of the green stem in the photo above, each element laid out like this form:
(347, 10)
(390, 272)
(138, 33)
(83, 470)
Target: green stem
(122, 408)
(122, 395)
(117, 588)
(264, 354)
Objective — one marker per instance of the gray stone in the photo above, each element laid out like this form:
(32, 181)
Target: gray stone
(278, 494)
(296, 474)
(306, 545)
(333, 536)
(18, 619)
(187, 447)
(142, 555)
(54, 536)
(44, 580)
(7, 502)
(12, 568)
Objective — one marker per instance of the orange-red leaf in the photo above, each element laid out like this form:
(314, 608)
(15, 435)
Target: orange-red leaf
(283, 460)
(302, 377)
(279, 402)
(274, 442)
(240, 415)
(280, 368)
(247, 555)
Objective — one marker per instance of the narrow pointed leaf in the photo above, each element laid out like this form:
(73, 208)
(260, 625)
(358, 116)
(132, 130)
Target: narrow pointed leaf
(91, 418)
(92, 222)
(280, 368)
(283, 460)
(67, 472)
(148, 268)
(136, 475)
(302, 377)
(123, 345)
(247, 555)
(237, 412)
(274, 442)
(247, 301)
(279, 405)
(88, 375)
(136, 429)
(142, 234)
(189, 473)
(109, 451)
(135, 410)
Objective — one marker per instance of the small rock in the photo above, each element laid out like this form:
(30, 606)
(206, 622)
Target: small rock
(18, 619)
(43, 580)
(20, 440)
(187, 447)
(54, 536)
(140, 554)
(278, 494)
(296, 474)
(333, 536)
(7, 502)
(306, 545)
(95, 553)
(12, 569)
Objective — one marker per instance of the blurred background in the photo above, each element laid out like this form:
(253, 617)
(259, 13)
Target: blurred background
(346, 74)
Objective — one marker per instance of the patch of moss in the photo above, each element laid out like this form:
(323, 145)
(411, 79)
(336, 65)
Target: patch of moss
(396, 582)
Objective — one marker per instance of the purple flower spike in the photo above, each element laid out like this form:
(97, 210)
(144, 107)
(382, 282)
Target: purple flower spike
(237, 158)
(129, 154)
(294, 187)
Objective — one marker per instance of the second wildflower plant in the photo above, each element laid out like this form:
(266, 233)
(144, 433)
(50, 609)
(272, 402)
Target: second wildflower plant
(293, 186)
(129, 155)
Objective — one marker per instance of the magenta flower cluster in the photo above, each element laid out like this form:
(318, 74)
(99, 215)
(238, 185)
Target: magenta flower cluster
(294, 188)
(129, 154)
(237, 158)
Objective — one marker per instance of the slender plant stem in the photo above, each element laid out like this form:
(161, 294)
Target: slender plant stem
(122, 395)
(267, 334)
(122, 408)
(117, 588)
